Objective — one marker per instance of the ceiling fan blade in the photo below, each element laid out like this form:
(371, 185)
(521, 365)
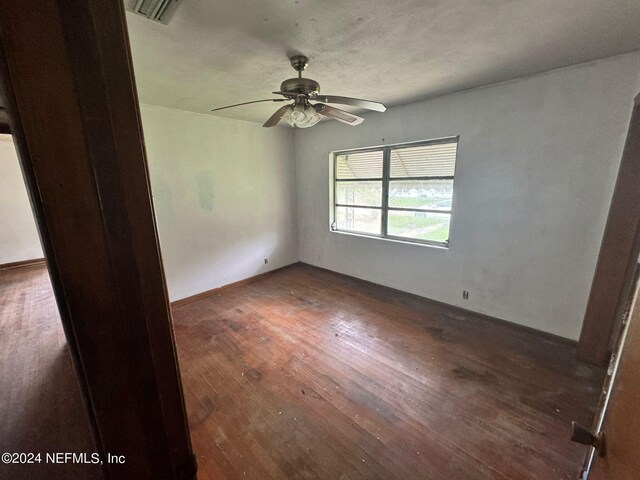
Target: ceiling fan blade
(356, 102)
(276, 117)
(255, 101)
(340, 115)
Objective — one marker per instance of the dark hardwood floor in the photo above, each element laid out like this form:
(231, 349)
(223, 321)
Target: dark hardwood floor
(309, 374)
(41, 409)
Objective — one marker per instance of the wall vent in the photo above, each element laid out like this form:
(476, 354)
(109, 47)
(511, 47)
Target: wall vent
(156, 10)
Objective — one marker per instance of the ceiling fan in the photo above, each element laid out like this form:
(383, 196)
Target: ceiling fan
(301, 112)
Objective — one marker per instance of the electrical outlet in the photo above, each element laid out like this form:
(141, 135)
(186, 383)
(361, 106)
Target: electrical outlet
(465, 295)
(266, 260)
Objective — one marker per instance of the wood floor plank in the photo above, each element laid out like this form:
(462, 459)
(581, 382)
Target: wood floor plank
(394, 386)
(41, 409)
(359, 398)
(307, 374)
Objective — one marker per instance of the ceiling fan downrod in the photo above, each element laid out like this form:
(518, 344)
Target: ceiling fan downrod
(299, 63)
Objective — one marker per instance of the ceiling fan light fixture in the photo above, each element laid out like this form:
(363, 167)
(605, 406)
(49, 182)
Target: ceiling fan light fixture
(302, 115)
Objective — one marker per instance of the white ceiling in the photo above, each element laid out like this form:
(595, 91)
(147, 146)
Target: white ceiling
(218, 52)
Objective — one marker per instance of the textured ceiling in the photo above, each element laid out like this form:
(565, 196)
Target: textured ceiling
(216, 52)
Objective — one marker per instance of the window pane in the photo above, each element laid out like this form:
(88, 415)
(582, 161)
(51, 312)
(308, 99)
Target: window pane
(427, 194)
(363, 220)
(419, 225)
(359, 165)
(438, 160)
(359, 193)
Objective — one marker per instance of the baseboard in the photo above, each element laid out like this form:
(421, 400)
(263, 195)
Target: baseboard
(463, 311)
(22, 263)
(454, 308)
(199, 296)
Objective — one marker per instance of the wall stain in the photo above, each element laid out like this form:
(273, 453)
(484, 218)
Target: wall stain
(205, 190)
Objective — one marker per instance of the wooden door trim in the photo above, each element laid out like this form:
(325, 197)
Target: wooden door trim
(618, 254)
(616, 410)
(69, 89)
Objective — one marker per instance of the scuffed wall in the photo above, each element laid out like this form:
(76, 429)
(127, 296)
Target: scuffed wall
(224, 195)
(538, 158)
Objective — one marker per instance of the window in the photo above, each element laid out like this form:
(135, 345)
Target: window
(402, 192)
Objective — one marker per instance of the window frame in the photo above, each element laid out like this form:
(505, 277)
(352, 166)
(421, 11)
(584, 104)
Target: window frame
(385, 181)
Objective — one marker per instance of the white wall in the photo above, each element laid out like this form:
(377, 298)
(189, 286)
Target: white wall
(224, 194)
(537, 164)
(18, 235)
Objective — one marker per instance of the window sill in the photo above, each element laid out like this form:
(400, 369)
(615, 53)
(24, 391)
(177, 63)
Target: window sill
(437, 246)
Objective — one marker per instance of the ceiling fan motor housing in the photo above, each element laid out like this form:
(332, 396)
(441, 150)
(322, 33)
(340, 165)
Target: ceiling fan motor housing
(300, 86)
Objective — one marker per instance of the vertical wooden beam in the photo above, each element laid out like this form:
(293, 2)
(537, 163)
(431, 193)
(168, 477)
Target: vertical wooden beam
(620, 422)
(68, 84)
(618, 254)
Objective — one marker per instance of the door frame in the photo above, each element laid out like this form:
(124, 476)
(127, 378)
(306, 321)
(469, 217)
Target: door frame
(621, 298)
(615, 268)
(69, 91)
